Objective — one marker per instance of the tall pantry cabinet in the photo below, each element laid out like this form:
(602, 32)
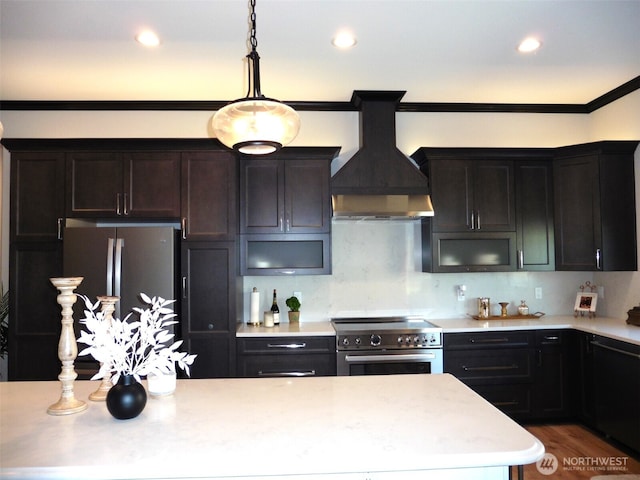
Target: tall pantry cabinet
(190, 184)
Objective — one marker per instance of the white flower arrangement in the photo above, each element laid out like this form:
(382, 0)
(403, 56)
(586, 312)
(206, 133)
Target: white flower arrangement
(133, 347)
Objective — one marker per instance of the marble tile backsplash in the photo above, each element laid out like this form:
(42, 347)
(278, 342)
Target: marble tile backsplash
(376, 271)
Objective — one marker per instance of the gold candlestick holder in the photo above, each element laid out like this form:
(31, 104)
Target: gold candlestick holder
(108, 307)
(67, 348)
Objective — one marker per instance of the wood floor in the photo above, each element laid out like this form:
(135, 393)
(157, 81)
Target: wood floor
(580, 455)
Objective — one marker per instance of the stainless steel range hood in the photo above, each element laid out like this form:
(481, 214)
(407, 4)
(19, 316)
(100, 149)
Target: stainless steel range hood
(379, 181)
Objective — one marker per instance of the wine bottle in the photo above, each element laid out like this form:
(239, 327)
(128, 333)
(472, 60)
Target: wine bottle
(275, 310)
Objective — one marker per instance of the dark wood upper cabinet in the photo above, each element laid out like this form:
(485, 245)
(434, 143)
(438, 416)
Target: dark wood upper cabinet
(209, 195)
(471, 189)
(107, 184)
(595, 207)
(534, 214)
(37, 196)
(287, 192)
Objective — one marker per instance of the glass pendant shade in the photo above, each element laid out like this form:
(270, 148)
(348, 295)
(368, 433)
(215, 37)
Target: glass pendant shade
(256, 125)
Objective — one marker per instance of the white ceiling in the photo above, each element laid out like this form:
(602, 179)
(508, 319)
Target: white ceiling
(436, 50)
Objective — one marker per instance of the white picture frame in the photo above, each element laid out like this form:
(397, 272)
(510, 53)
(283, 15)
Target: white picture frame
(586, 302)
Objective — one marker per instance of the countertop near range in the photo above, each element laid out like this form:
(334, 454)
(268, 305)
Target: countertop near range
(285, 329)
(608, 327)
(320, 428)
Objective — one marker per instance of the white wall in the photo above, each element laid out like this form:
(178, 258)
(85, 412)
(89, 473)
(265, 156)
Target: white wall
(374, 265)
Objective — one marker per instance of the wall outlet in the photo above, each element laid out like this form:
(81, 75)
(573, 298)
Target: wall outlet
(538, 293)
(461, 289)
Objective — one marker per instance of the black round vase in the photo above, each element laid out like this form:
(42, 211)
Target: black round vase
(127, 398)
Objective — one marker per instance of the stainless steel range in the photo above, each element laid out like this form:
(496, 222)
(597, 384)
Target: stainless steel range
(387, 345)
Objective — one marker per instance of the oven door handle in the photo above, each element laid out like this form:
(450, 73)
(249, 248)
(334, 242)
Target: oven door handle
(390, 358)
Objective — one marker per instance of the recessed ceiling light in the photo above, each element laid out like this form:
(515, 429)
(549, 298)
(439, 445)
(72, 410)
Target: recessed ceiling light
(344, 40)
(148, 38)
(529, 44)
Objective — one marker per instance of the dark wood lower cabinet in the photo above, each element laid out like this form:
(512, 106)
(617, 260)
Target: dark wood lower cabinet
(523, 373)
(208, 306)
(33, 341)
(286, 356)
(617, 384)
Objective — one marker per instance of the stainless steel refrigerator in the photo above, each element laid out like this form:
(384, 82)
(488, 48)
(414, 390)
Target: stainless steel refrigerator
(121, 261)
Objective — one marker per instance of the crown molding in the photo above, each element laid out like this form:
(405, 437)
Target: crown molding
(310, 106)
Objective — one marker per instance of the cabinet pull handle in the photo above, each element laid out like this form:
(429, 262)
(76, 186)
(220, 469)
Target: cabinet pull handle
(184, 228)
(550, 338)
(598, 258)
(308, 373)
(489, 340)
(60, 221)
(506, 403)
(520, 259)
(288, 225)
(125, 206)
(287, 345)
(184, 287)
(478, 220)
(473, 220)
(118, 210)
(613, 349)
(493, 368)
(281, 224)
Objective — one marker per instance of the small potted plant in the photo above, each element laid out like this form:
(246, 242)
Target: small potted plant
(294, 309)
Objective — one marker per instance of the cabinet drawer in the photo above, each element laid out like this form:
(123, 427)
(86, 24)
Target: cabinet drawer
(287, 345)
(507, 339)
(511, 399)
(295, 365)
(489, 366)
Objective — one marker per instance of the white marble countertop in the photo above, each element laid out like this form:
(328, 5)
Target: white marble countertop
(286, 329)
(335, 427)
(608, 327)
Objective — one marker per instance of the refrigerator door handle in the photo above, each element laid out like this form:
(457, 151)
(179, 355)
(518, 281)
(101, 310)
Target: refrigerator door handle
(117, 284)
(110, 267)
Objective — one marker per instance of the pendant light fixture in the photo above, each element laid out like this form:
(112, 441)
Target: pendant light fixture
(255, 125)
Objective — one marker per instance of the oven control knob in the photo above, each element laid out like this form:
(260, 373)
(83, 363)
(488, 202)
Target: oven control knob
(345, 341)
(375, 340)
(408, 339)
(416, 339)
(358, 341)
(400, 340)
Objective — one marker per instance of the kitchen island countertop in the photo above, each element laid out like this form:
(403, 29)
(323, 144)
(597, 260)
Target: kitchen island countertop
(379, 428)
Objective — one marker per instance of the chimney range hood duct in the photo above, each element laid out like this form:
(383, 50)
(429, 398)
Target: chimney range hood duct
(379, 181)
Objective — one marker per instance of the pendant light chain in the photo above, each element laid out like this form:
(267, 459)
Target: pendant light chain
(254, 59)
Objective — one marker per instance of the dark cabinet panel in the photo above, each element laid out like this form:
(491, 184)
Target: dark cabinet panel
(153, 184)
(129, 184)
(209, 196)
(208, 305)
(307, 200)
(617, 383)
(470, 191)
(95, 181)
(552, 393)
(286, 356)
(523, 373)
(594, 198)
(262, 200)
(287, 192)
(534, 215)
(37, 196)
(34, 326)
